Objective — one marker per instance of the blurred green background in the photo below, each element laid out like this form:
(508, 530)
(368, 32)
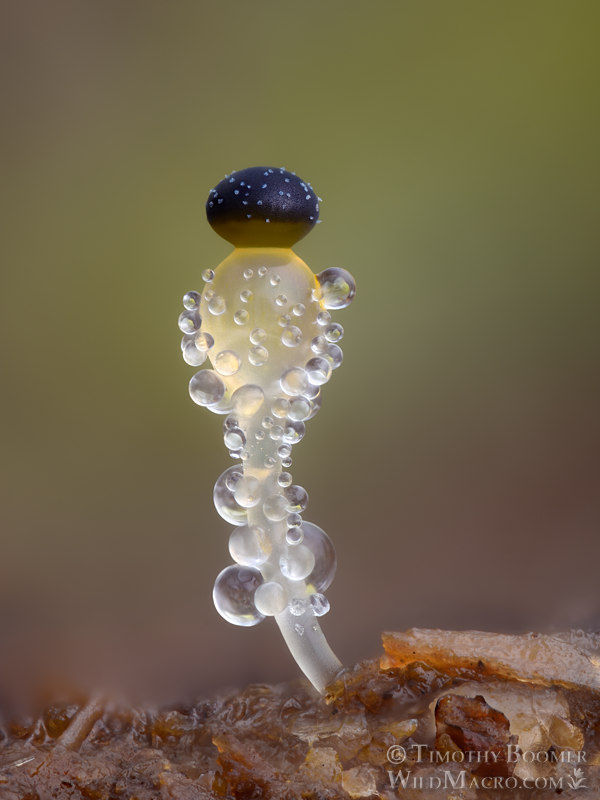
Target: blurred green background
(455, 460)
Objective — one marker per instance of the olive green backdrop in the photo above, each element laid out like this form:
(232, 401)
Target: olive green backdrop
(455, 460)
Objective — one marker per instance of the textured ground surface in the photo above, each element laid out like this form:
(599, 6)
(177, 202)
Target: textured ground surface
(440, 715)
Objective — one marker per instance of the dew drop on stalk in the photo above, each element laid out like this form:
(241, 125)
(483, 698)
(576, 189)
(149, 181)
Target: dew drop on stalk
(233, 595)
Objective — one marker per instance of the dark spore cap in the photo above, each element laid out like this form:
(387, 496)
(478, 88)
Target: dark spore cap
(262, 207)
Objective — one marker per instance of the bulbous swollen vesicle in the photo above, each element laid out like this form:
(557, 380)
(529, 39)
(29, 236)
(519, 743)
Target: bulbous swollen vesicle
(262, 329)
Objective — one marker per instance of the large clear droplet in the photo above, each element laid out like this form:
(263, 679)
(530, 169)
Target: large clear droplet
(191, 300)
(334, 355)
(319, 604)
(234, 439)
(189, 321)
(334, 332)
(323, 550)
(297, 499)
(338, 287)
(294, 381)
(191, 354)
(227, 362)
(293, 432)
(204, 341)
(258, 336)
(298, 563)
(299, 409)
(217, 305)
(247, 491)
(206, 388)
(224, 498)
(275, 508)
(250, 546)
(270, 598)
(247, 400)
(318, 370)
(241, 316)
(258, 356)
(233, 595)
(291, 336)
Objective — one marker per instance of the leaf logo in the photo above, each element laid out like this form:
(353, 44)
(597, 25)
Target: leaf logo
(577, 780)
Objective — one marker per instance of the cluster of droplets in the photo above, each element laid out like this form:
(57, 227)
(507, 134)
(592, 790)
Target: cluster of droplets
(266, 330)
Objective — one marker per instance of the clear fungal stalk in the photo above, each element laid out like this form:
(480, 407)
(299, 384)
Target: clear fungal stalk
(263, 324)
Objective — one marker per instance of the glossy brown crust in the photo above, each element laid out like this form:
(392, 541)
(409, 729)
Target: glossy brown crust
(284, 742)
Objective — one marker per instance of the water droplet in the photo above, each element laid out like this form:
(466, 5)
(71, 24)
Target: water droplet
(298, 563)
(189, 321)
(208, 294)
(250, 545)
(267, 423)
(319, 604)
(241, 317)
(334, 332)
(206, 388)
(227, 362)
(262, 271)
(275, 508)
(291, 336)
(284, 451)
(248, 273)
(295, 380)
(315, 406)
(294, 520)
(269, 462)
(297, 498)
(338, 287)
(247, 491)
(334, 355)
(191, 300)
(204, 342)
(217, 305)
(293, 432)
(318, 344)
(297, 606)
(276, 432)
(258, 336)
(284, 479)
(298, 309)
(191, 354)
(280, 300)
(246, 295)
(318, 370)
(294, 536)
(283, 320)
(233, 595)
(234, 439)
(280, 407)
(208, 275)
(270, 598)
(247, 400)
(312, 391)
(323, 550)
(259, 436)
(223, 497)
(258, 356)
(286, 462)
(274, 280)
(323, 318)
(299, 409)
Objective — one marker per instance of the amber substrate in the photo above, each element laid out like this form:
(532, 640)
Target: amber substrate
(439, 715)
